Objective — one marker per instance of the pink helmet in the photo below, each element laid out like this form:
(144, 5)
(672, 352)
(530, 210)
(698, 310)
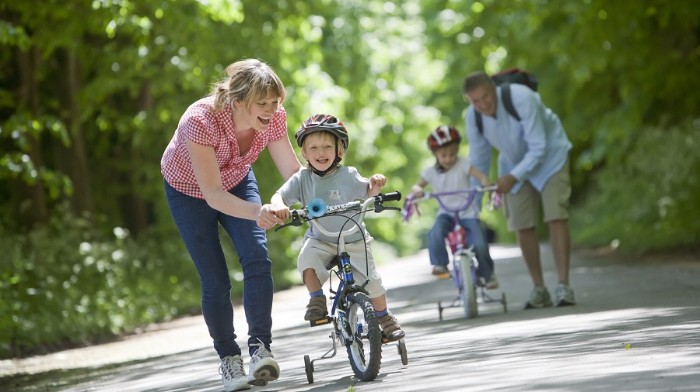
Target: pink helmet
(442, 136)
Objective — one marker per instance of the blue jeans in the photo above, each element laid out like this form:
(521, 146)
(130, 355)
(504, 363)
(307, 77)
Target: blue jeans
(475, 236)
(199, 227)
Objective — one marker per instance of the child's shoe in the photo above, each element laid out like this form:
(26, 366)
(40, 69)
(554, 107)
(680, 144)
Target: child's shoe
(316, 309)
(492, 283)
(441, 271)
(390, 326)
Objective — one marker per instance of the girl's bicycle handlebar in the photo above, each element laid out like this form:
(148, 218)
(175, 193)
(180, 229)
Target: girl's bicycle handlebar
(470, 196)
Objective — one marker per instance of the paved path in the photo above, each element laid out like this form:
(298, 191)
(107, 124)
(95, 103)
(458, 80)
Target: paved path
(636, 328)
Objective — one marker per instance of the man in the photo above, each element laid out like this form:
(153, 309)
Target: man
(533, 169)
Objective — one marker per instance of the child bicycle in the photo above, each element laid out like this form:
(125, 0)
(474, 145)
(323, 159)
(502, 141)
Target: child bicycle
(352, 313)
(464, 262)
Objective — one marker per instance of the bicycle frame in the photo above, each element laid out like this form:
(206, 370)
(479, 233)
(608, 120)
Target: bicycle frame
(463, 258)
(352, 313)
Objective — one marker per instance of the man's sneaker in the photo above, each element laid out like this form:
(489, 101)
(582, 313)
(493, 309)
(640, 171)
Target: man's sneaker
(263, 367)
(441, 271)
(564, 295)
(316, 309)
(492, 283)
(232, 374)
(539, 298)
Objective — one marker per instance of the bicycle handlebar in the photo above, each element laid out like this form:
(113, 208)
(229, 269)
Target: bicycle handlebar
(409, 204)
(317, 209)
(437, 195)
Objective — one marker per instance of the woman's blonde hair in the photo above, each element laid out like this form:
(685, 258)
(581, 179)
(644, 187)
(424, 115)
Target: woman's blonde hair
(247, 81)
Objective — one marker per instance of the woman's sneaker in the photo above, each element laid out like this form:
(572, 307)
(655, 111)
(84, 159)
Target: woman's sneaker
(232, 374)
(539, 298)
(564, 295)
(263, 367)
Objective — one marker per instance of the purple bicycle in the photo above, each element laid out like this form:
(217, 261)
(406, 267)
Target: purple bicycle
(470, 286)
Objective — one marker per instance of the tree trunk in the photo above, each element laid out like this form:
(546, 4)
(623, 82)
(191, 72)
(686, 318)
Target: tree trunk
(28, 63)
(134, 208)
(80, 173)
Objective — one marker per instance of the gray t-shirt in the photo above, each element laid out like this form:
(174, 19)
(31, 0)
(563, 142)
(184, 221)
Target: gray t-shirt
(343, 185)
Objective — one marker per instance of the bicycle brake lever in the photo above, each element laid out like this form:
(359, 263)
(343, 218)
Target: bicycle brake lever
(296, 221)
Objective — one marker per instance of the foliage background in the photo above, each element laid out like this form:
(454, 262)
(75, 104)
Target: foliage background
(91, 92)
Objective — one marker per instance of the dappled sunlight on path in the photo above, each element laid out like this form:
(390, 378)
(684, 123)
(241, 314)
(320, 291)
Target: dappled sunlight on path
(635, 328)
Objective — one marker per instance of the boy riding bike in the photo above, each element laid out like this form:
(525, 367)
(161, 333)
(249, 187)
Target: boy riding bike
(452, 173)
(323, 140)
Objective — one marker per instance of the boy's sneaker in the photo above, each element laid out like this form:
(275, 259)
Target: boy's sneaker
(391, 328)
(492, 283)
(232, 374)
(263, 367)
(564, 295)
(539, 298)
(441, 271)
(316, 309)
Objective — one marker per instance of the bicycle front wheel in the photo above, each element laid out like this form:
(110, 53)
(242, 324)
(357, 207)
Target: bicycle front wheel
(365, 349)
(467, 289)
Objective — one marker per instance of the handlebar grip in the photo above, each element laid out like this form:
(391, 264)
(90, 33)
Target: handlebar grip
(391, 196)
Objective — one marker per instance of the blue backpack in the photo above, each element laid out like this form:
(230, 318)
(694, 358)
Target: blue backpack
(504, 79)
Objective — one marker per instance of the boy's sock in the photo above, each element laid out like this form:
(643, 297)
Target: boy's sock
(382, 312)
(318, 293)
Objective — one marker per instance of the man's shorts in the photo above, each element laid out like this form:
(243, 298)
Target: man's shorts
(523, 208)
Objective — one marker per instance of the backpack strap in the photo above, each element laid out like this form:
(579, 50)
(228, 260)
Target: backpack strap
(507, 99)
(479, 122)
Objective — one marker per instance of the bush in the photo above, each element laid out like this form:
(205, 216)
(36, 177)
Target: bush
(646, 199)
(64, 284)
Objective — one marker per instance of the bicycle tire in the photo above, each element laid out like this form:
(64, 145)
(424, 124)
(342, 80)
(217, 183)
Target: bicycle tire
(467, 291)
(309, 368)
(365, 351)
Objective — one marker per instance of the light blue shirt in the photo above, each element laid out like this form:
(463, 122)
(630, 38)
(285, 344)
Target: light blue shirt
(532, 149)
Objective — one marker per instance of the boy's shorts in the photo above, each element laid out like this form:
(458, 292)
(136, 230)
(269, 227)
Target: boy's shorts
(318, 254)
(523, 208)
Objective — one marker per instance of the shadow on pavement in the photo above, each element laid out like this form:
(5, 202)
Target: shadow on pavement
(636, 327)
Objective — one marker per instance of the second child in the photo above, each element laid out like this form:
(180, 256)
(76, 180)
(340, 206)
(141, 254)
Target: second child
(452, 173)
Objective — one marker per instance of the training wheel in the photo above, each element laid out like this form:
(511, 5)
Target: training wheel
(402, 352)
(503, 301)
(309, 367)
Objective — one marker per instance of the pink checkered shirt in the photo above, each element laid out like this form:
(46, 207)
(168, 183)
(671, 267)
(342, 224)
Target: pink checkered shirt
(202, 125)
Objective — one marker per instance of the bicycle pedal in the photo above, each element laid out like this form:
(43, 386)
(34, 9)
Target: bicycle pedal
(323, 321)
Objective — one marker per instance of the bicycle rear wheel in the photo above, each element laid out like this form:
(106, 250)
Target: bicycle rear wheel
(365, 350)
(467, 290)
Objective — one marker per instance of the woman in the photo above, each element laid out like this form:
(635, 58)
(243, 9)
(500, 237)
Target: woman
(209, 181)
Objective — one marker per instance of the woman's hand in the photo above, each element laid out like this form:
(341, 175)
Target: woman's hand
(281, 211)
(267, 217)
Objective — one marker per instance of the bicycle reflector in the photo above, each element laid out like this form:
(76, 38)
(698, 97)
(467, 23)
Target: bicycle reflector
(316, 208)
